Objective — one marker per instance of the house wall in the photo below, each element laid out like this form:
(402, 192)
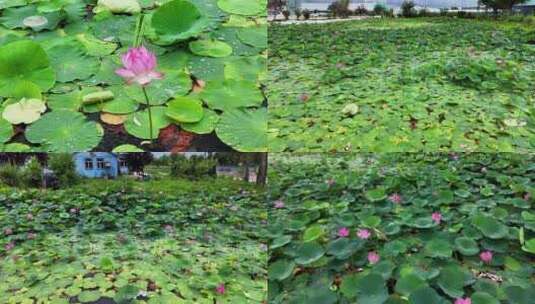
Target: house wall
(112, 171)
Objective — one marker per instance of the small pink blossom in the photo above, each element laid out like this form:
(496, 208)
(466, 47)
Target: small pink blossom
(31, 236)
(29, 217)
(279, 204)
(527, 196)
(363, 234)
(73, 210)
(168, 228)
(343, 232)
(304, 97)
(486, 256)
(8, 231)
(9, 246)
(330, 181)
(437, 217)
(463, 301)
(373, 257)
(139, 66)
(395, 198)
(220, 288)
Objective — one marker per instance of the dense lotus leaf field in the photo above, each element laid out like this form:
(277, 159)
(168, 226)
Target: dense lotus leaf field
(424, 84)
(71, 246)
(59, 91)
(401, 228)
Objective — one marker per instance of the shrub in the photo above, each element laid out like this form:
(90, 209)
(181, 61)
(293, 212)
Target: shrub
(10, 175)
(380, 9)
(32, 174)
(407, 9)
(361, 11)
(306, 14)
(339, 9)
(63, 166)
(286, 14)
(298, 14)
(194, 167)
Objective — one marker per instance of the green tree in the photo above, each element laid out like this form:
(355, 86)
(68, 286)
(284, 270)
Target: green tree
(496, 5)
(63, 166)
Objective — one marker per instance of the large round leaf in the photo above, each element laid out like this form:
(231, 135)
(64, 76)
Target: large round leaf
(231, 94)
(312, 233)
(376, 195)
(185, 109)
(409, 283)
(244, 130)
(205, 126)
(309, 253)
(178, 20)
(490, 227)
(65, 131)
(71, 63)
(483, 298)
(210, 48)
(25, 111)
(6, 130)
(254, 36)
(369, 289)
(280, 270)
(243, 7)
(425, 295)
(24, 61)
(138, 125)
(466, 246)
(451, 281)
(438, 248)
(175, 83)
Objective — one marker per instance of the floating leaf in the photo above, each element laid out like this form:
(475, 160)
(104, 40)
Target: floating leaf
(185, 110)
(231, 94)
(25, 111)
(281, 270)
(243, 7)
(137, 123)
(245, 131)
(205, 126)
(210, 48)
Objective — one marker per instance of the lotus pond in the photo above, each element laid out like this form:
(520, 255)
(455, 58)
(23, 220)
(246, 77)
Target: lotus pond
(137, 246)
(401, 228)
(60, 91)
(402, 85)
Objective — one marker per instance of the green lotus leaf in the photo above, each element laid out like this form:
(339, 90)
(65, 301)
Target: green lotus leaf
(422, 222)
(246, 68)
(409, 283)
(24, 60)
(309, 253)
(312, 233)
(16, 148)
(25, 111)
(483, 298)
(68, 101)
(185, 110)
(466, 246)
(207, 68)
(178, 20)
(490, 227)
(65, 131)
(451, 281)
(210, 48)
(254, 36)
(122, 103)
(126, 149)
(369, 289)
(392, 228)
(89, 296)
(281, 270)
(206, 125)
(280, 241)
(315, 295)
(12, 3)
(375, 195)
(13, 18)
(71, 63)
(231, 94)
(519, 295)
(371, 221)
(343, 248)
(95, 46)
(6, 130)
(26, 89)
(529, 246)
(425, 295)
(245, 131)
(438, 248)
(175, 83)
(462, 193)
(126, 294)
(121, 6)
(243, 7)
(137, 123)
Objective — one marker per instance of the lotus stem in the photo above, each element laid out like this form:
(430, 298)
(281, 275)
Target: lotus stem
(150, 114)
(139, 30)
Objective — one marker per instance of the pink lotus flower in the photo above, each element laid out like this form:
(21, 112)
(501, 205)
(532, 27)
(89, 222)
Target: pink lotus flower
(363, 234)
(279, 204)
(73, 210)
(437, 217)
(486, 256)
(139, 66)
(395, 198)
(343, 232)
(330, 181)
(8, 231)
(463, 301)
(220, 289)
(9, 246)
(373, 257)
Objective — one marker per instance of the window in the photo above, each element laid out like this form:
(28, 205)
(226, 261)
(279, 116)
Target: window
(122, 163)
(100, 163)
(88, 164)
